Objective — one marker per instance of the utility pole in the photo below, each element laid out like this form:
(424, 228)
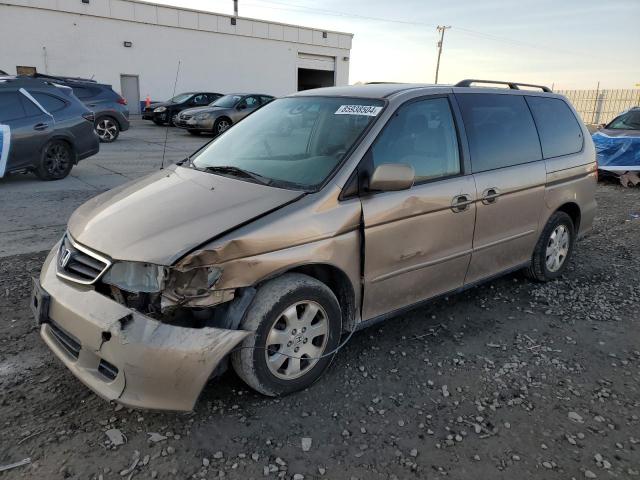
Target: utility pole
(441, 29)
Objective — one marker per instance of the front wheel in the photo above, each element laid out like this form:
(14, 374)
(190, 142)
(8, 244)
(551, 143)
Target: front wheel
(554, 248)
(221, 125)
(107, 129)
(56, 161)
(296, 321)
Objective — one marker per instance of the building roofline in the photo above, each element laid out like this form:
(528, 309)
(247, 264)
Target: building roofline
(239, 17)
(182, 9)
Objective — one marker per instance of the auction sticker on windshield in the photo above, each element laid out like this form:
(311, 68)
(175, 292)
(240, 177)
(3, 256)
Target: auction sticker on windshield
(368, 110)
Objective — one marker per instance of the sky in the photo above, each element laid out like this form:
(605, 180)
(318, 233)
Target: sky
(567, 44)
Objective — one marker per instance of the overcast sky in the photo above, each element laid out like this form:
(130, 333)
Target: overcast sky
(565, 43)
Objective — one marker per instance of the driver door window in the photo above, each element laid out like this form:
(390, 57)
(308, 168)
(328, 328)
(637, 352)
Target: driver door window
(423, 135)
(201, 99)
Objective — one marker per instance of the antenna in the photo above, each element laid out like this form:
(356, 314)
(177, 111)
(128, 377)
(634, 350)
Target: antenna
(166, 131)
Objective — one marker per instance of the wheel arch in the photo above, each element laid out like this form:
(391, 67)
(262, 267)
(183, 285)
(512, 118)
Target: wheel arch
(65, 139)
(573, 210)
(338, 282)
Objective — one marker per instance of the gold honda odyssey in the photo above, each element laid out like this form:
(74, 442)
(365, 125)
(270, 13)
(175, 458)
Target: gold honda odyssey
(317, 215)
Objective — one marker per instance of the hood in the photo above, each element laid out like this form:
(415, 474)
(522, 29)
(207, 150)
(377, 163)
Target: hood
(618, 132)
(207, 108)
(165, 215)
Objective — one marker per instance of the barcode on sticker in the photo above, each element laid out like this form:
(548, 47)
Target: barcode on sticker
(368, 110)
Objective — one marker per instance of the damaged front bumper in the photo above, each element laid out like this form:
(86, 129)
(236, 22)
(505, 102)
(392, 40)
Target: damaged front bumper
(121, 354)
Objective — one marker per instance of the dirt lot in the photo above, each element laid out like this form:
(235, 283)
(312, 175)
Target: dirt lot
(508, 380)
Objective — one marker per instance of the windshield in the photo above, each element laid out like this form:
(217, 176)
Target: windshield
(227, 101)
(626, 121)
(181, 98)
(295, 142)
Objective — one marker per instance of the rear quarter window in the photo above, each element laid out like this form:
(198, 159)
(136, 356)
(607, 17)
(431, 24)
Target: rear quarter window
(560, 132)
(500, 130)
(49, 102)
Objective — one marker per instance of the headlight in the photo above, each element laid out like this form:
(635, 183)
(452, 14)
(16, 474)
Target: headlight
(136, 277)
(203, 116)
(160, 109)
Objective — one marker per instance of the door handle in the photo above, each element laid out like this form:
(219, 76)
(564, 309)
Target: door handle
(460, 203)
(41, 126)
(490, 195)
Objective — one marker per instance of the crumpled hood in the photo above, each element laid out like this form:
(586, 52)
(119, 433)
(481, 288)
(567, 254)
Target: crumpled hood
(163, 216)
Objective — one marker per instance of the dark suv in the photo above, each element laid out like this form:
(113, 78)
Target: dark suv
(112, 114)
(44, 128)
(163, 112)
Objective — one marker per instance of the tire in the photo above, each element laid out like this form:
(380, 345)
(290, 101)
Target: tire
(221, 125)
(194, 132)
(556, 241)
(56, 161)
(296, 294)
(107, 129)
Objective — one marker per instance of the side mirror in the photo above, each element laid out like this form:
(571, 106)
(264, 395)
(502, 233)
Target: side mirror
(390, 177)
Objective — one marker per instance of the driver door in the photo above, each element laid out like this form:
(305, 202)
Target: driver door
(417, 242)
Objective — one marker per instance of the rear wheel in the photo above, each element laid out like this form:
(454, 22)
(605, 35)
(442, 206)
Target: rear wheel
(554, 248)
(194, 132)
(297, 321)
(107, 129)
(56, 161)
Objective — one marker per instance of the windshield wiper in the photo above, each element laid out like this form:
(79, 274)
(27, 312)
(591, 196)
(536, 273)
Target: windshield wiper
(238, 172)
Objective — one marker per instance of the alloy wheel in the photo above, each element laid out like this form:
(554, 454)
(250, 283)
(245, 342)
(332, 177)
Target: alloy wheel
(296, 340)
(223, 125)
(107, 130)
(557, 248)
(57, 159)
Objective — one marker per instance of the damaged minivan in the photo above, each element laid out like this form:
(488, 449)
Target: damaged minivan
(319, 214)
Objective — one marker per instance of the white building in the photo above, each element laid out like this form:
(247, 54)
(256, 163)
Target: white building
(136, 46)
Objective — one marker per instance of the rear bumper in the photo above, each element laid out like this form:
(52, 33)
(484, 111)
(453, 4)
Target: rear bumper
(123, 355)
(91, 146)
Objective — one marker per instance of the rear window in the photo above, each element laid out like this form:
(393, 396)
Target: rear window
(83, 92)
(560, 132)
(49, 102)
(500, 130)
(10, 107)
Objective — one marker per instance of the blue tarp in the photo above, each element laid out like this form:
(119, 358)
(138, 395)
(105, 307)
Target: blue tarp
(617, 153)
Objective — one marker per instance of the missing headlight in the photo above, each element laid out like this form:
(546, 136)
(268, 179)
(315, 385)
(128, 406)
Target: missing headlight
(136, 277)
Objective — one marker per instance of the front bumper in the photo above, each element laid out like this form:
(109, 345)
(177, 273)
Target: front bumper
(193, 124)
(123, 355)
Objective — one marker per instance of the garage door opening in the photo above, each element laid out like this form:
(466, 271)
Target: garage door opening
(308, 78)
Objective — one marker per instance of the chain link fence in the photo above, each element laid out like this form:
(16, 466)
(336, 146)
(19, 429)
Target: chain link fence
(601, 106)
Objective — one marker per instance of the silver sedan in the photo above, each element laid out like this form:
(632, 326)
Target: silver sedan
(220, 115)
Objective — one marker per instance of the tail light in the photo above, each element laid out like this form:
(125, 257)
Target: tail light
(89, 117)
(122, 101)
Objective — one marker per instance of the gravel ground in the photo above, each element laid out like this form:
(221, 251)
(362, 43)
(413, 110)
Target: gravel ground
(508, 380)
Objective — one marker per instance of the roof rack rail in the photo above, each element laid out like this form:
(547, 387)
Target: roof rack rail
(61, 78)
(512, 85)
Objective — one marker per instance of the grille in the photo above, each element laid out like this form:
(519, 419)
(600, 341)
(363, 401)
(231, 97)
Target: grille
(108, 370)
(79, 264)
(68, 342)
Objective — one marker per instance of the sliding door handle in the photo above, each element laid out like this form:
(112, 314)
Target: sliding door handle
(490, 195)
(460, 203)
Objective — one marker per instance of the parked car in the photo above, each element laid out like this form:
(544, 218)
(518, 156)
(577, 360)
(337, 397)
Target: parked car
(110, 108)
(164, 112)
(221, 114)
(618, 146)
(45, 128)
(271, 242)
